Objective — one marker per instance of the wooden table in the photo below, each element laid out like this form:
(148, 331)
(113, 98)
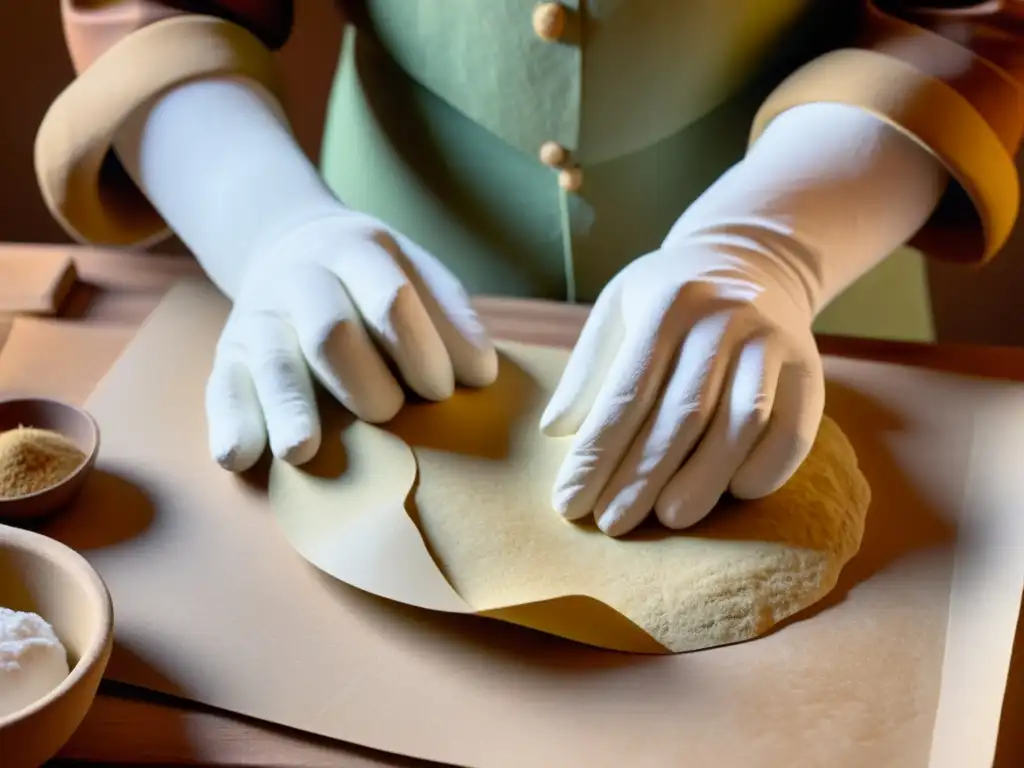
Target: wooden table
(131, 727)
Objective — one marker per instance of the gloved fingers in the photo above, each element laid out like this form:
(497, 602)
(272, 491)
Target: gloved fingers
(473, 356)
(283, 386)
(587, 368)
(681, 416)
(394, 315)
(627, 394)
(792, 428)
(337, 347)
(236, 432)
(743, 412)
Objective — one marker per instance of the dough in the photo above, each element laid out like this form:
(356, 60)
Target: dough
(480, 499)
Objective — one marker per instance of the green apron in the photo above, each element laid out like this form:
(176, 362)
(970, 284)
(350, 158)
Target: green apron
(438, 111)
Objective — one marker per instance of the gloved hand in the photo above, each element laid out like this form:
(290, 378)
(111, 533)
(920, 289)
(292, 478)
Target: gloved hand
(319, 290)
(697, 371)
(340, 298)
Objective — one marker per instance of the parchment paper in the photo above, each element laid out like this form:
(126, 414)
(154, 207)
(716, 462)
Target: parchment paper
(212, 605)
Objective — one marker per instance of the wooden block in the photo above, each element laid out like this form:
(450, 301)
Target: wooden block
(39, 348)
(34, 280)
(5, 329)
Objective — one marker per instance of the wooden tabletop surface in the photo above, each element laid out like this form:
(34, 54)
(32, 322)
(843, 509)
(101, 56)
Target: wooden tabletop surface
(131, 727)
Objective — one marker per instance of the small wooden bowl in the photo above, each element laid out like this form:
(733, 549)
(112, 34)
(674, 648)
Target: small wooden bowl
(41, 575)
(73, 423)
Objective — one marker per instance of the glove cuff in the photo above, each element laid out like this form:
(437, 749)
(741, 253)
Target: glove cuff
(82, 183)
(973, 141)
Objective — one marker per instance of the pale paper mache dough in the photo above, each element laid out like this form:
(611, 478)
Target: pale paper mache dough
(483, 475)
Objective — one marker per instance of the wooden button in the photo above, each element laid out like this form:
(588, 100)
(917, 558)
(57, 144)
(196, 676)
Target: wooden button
(571, 179)
(553, 154)
(549, 21)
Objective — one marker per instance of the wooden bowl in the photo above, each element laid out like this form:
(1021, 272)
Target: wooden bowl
(41, 575)
(73, 423)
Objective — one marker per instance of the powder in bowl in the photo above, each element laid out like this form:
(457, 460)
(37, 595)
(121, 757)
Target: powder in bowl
(32, 460)
(33, 661)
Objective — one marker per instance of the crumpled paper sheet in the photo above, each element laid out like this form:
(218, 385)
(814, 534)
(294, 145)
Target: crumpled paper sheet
(212, 605)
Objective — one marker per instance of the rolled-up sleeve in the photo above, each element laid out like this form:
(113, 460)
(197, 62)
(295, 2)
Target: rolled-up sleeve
(125, 53)
(952, 79)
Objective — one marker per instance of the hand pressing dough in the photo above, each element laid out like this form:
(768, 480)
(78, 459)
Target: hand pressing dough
(475, 475)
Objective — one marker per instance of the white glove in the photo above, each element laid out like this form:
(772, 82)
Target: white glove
(697, 372)
(319, 290)
(330, 297)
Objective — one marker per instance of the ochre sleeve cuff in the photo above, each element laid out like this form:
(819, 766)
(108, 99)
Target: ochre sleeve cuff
(964, 112)
(83, 184)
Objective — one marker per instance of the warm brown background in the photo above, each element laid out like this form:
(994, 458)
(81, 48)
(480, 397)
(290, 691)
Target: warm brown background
(983, 307)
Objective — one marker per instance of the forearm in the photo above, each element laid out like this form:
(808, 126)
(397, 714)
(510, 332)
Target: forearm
(828, 189)
(218, 161)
